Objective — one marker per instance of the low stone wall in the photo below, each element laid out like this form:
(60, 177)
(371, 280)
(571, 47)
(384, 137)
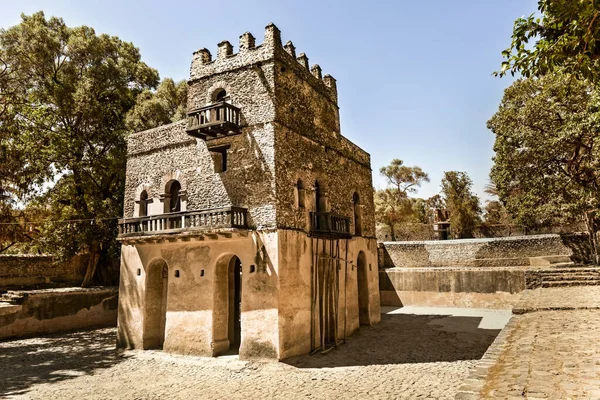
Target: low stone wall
(22, 270)
(489, 252)
(452, 287)
(54, 310)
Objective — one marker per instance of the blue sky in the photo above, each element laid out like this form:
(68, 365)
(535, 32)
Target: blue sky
(414, 77)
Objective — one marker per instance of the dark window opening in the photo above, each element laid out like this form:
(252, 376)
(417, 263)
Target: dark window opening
(357, 216)
(175, 204)
(219, 156)
(143, 204)
(300, 189)
(221, 95)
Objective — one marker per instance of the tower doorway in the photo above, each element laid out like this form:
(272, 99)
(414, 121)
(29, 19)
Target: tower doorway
(235, 304)
(363, 290)
(155, 313)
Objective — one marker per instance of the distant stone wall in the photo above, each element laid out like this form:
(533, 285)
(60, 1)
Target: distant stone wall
(489, 252)
(21, 270)
(54, 310)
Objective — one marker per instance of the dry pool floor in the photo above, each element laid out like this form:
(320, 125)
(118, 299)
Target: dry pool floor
(415, 352)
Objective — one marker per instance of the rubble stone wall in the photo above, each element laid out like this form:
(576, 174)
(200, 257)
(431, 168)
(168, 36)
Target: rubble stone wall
(21, 270)
(492, 252)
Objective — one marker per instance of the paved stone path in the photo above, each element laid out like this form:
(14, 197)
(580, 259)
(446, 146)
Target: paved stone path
(405, 356)
(550, 351)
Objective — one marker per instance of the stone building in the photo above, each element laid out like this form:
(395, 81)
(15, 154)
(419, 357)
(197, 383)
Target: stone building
(249, 227)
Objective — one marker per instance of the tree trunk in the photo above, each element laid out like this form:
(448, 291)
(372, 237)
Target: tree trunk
(92, 265)
(591, 230)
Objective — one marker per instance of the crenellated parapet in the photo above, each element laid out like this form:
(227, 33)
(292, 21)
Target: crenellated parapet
(251, 54)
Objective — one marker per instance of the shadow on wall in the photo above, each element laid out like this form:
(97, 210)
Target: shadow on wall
(407, 339)
(55, 358)
(580, 244)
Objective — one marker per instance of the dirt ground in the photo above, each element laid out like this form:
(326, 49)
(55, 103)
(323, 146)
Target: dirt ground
(405, 356)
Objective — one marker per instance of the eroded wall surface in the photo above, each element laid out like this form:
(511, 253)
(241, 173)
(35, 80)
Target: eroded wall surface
(296, 263)
(54, 310)
(194, 324)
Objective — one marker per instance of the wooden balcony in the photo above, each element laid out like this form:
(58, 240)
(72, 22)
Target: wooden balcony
(328, 225)
(216, 219)
(213, 121)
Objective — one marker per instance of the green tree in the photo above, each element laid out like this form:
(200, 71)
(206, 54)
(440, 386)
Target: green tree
(565, 39)
(404, 179)
(392, 205)
(166, 104)
(461, 203)
(68, 117)
(547, 160)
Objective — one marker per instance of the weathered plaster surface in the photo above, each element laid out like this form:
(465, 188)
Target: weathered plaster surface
(54, 310)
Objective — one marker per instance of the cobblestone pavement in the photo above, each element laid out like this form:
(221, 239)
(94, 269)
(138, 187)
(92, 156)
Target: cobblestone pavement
(405, 356)
(550, 351)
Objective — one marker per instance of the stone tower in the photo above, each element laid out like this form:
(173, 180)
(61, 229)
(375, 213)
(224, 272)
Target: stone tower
(249, 227)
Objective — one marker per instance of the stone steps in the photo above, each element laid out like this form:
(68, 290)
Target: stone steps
(572, 275)
(15, 298)
(546, 284)
(545, 261)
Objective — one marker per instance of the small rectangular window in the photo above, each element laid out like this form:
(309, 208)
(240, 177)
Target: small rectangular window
(219, 156)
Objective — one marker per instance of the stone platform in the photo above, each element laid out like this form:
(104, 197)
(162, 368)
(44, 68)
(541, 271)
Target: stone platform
(550, 350)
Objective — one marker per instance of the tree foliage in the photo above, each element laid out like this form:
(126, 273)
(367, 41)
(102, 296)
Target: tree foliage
(392, 205)
(66, 119)
(564, 39)
(166, 104)
(461, 203)
(547, 159)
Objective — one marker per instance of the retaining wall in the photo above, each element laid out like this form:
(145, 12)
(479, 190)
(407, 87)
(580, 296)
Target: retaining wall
(452, 287)
(488, 252)
(22, 270)
(54, 310)
(482, 273)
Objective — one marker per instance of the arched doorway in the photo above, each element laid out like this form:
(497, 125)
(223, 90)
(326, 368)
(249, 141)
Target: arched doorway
(227, 311)
(363, 290)
(155, 304)
(234, 320)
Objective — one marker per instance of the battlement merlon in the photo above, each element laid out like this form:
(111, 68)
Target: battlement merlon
(249, 54)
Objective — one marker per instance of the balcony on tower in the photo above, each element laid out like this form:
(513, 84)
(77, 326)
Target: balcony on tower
(329, 225)
(225, 219)
(213, 121)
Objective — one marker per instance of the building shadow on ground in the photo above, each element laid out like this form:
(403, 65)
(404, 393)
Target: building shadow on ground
(54, 358)
(407, 339)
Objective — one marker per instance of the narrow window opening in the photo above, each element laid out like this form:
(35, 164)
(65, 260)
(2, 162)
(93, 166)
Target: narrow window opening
(252, 268)
(143, 204)
(320, 198)
(139, 272)
(300, 194)
(219, 156)
(202, 272)
(357, 214)
(221, 95)
(176, 273)
(175, 203)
